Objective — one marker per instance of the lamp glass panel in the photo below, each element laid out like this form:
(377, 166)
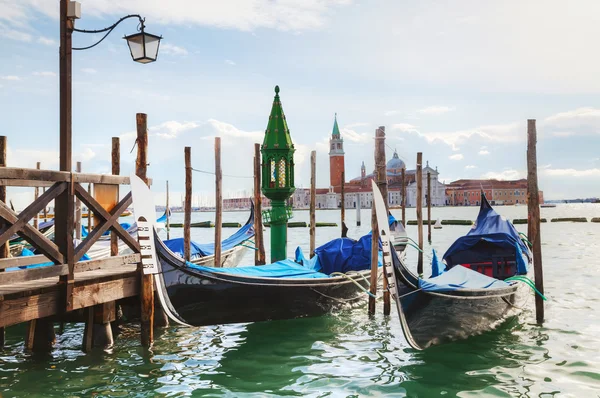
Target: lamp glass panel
(152, 43)
(136, 46)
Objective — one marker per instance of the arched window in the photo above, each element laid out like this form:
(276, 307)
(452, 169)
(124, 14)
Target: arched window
(281, 179)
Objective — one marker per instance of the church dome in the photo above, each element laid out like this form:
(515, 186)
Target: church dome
(395, 163)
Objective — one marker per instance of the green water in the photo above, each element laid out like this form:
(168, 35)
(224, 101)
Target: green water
(347, 353)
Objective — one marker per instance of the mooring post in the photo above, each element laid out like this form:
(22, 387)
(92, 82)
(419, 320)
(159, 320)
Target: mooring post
(4, 249)
(218, 202)
(343, 205)
(313, 201)
(358, 209)
(420, 211)
(374, 260)
(533, 203)
(259, 243)
(168, 212)
(77, 208)
(36, 194)
(429, 207)
(403, 188)
(89, 213)
(147, 281)
(116, 170)
(380, 166)
(187, 210)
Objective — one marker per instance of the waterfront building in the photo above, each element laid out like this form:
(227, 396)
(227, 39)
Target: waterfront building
(467, 192)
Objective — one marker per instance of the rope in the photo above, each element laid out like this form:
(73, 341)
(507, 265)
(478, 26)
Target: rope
(524, 237)
(224, 175)
(354, 281)
(527, 281)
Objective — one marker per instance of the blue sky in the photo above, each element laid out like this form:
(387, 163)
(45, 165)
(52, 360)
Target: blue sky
(456, 80)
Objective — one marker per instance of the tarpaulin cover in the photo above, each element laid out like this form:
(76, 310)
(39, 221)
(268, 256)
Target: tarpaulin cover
(26, 253)
(460, 278)
(282, 269)
(207, 249)
(126, 226)
(340, 255)
(437, 267)
(163, 218)
(493, 228)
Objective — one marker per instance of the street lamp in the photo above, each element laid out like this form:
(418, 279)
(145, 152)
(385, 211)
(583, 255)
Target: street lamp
(143, 48)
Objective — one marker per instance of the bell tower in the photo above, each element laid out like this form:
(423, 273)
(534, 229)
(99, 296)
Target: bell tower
(336, 157)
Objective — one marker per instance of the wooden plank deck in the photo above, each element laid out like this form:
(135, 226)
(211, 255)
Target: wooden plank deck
(24, 301)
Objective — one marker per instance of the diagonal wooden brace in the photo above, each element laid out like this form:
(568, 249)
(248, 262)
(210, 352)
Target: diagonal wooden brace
(30, 211)
(98, 210)
(110, 219)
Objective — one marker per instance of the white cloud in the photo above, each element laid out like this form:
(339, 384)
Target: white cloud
(230, 62)
(563, 133)
(435, 110)
(483, 152)
(405, 128)
(44, 73)
(13, 34)
(582, 121)
(171, 49)
(286, 15)
(390, 113)
(458, 156)
(47, 41)
(89, 71)
(358, 124)
(470, 167)
(86, 155)
(172, 129)
(10, 77)
(595, 172)
(509, 174)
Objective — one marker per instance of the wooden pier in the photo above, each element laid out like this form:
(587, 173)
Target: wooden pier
(69, 290)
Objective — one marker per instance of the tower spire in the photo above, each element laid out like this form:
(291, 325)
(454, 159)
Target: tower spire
(336, 130)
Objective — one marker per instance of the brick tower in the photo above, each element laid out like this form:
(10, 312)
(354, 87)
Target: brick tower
(336, 157)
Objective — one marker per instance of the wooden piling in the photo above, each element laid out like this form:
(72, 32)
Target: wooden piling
(343, 206)
(380, 166)
(116, 170)
(420, 211)
(429, 207)
(533, 224)
(218, 201)
(89, 213)
(4, 249)
(358, 208)
(77, 207)
(374, 261)
(403, 197)
(313, 200)
(147, 281)
(259, 253)
(36, 195)
(168, 212)
(187, 210)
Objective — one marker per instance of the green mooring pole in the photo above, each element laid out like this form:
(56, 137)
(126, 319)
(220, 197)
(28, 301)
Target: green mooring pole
(278, 231)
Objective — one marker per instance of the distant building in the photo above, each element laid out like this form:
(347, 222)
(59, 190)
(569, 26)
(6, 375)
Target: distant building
(498, 192)
(336, 157)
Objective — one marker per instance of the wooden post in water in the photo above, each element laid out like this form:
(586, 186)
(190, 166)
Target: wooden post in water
(383, 187)
(313, 200)
(89, 213)
(168, 212)
(533, 204)
(36, 194)
(218, 202)
(4, 249)
(343, 206)
(420, 211)
(429, 207)
(259, 253)
(77, 209)
(374, 260)
(116, 170)
(403, 197)
(147, 281)
(358, 209)
(187, 209)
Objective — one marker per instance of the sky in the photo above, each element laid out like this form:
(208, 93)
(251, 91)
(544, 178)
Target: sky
(456, 80)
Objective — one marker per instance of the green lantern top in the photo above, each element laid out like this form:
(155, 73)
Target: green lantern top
(278, 155)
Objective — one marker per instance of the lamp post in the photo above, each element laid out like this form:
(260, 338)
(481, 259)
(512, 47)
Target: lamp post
(278, 177)
(143, 48)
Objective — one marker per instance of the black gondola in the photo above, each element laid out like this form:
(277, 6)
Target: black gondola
(207, 296)
(471, 296)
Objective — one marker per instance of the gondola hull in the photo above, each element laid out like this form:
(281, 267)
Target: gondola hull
(203, 298)
(430, 318)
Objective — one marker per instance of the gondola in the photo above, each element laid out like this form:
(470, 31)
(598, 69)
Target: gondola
(233, 248)
(196, 295)
(473, 294)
